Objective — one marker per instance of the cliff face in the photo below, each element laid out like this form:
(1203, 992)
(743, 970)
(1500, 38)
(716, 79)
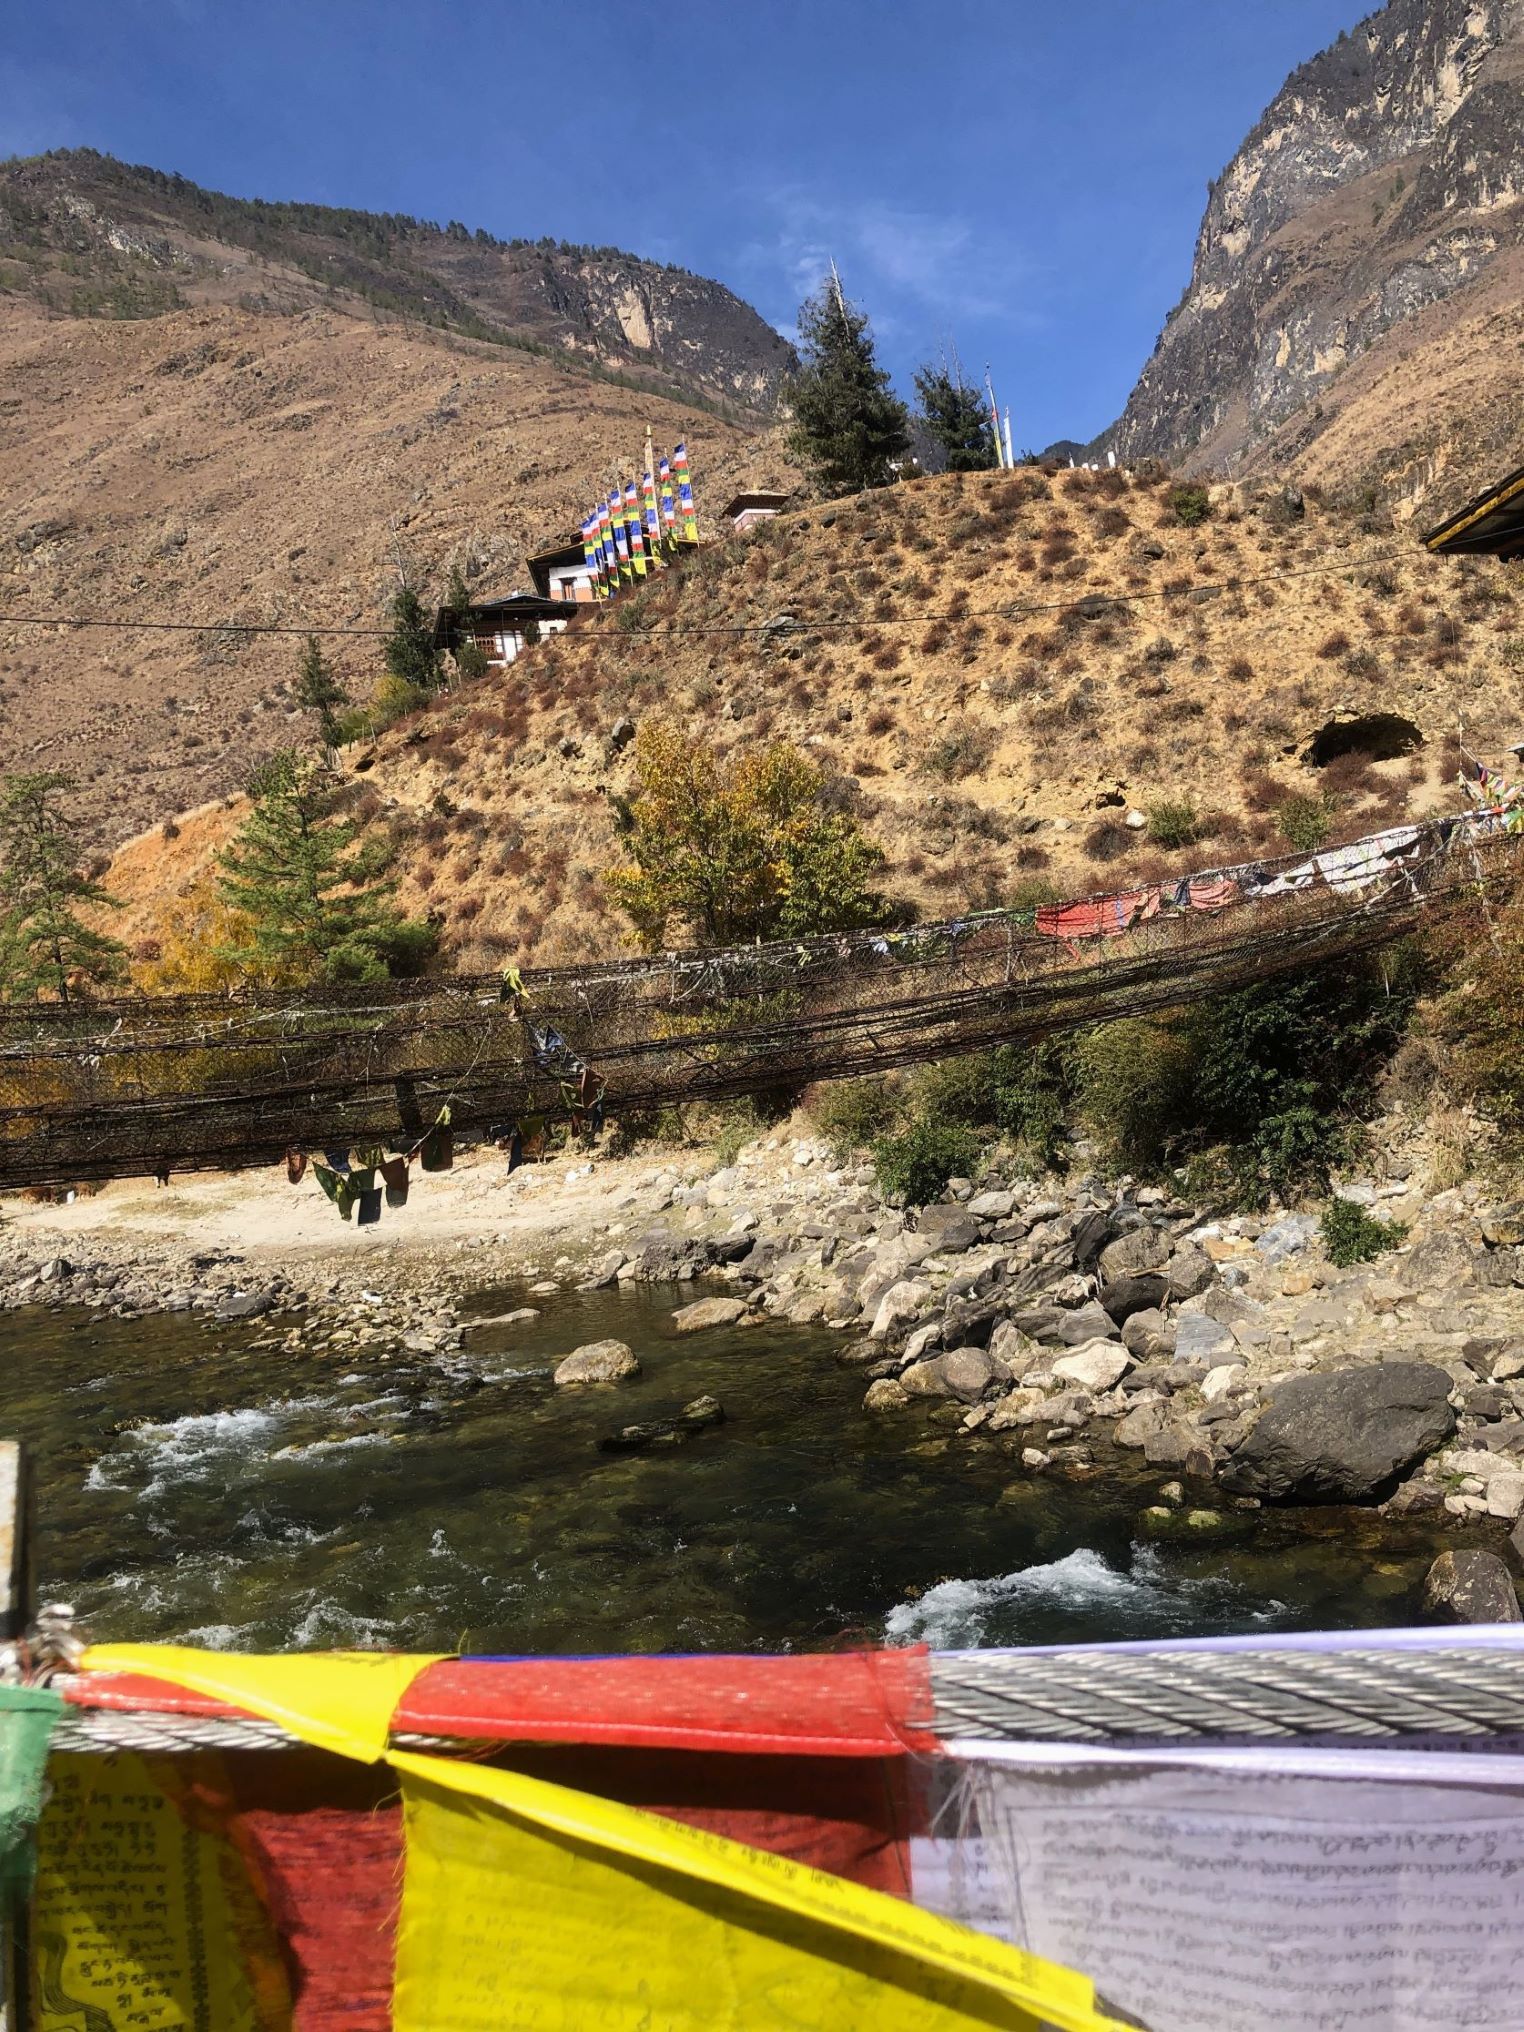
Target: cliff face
(1386, 178)
(89, 236)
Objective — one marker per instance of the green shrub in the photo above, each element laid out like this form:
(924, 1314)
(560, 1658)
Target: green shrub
(916, 1164)
(1304, 820)
(1351, 1236)
(1174, 823)
(1259, 1090)
(1189, 504)
(1133, 1087)
(850, 1114)
(1019, 1091)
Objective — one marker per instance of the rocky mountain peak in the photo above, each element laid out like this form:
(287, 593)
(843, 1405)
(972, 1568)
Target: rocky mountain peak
(1386, 175)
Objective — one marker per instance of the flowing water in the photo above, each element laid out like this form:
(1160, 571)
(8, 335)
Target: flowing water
(197, 1485)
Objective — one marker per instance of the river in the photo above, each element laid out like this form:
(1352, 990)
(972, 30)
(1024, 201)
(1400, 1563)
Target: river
(197, 1485)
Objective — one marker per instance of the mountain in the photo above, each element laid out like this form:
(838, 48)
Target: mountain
(1356, 305)
(217, 410)
(92, 237)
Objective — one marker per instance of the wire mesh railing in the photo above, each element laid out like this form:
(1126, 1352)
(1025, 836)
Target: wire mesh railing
(148, 1083)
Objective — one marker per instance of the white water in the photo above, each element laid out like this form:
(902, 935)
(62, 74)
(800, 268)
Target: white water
(1147, 1600)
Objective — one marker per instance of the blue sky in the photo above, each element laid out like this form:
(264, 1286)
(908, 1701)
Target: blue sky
(1026, 178)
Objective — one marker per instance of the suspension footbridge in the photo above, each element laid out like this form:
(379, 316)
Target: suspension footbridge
(156, 1083)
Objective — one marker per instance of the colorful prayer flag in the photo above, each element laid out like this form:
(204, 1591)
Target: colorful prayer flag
(653, 513)
(668, 500)
(632, 526)
(621, 538)
(685, 493)
(590, 553)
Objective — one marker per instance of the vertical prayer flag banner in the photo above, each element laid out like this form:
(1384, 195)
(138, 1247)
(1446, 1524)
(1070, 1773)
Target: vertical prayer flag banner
(632, 526)
(685, 493)
(668, 503)
(590, 554)
(608, 569)
(653, 513)
(621, 539)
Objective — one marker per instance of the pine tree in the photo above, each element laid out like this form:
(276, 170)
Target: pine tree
(457, 597)
(956, 419)
(44, 947)
(319, 690)
(298, 877)
(848, 425)
(411, 657)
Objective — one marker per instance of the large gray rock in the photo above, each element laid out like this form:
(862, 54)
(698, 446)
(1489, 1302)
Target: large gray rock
(1143, 1291)
(1200, 1339)
(1471, 1587)
(900, 1302)
(1442, 1259)
(708, 1312)
(992, 1206)
(1088, 1322)
(1343, 1438)
(1140, 1249)
(598, 1362)
(949, 1229)
(1187, 1272)
(1148, 1335)
(885, 1393)
(1095, 1367)
(964, 1373)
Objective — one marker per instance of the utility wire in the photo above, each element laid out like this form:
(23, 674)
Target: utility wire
(1011, 610)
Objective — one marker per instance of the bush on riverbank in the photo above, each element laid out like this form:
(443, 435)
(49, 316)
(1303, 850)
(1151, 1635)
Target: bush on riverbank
(1256, 1092)
(916, 1164)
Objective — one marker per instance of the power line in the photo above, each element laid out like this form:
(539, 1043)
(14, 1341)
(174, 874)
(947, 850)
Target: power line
(1009, 611)
(178, 627)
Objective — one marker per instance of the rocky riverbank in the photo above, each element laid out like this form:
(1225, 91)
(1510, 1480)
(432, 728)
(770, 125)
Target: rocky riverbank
(1067, 1322)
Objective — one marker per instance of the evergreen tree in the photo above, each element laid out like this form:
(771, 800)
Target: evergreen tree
(411, 657)
(319, 690)
(44, 947)
(457, 597)
(299, 879)
(956, 419)
(848, 423)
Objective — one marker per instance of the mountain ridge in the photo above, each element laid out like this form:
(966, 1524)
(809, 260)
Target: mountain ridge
(86, 235)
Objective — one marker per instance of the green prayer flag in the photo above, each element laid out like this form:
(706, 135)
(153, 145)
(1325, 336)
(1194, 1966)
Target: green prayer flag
(27, 1715)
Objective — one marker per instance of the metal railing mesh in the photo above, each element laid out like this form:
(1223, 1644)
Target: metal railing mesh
(137, 1084)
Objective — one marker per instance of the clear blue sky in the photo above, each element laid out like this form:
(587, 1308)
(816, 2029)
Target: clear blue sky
(1027, 178)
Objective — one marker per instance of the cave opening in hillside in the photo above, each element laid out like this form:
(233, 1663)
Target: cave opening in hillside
(1379, 737)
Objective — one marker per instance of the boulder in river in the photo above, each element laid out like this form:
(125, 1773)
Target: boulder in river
(693, 1418)
(900, 1302)
(1343, 1438)
(598, 1362)
(708, 1312)
(964, 1373)
(246, 1305)
(1471, 1587)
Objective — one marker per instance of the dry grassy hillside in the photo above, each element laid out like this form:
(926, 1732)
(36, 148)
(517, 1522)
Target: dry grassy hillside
(215, 464)
(925, 643)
